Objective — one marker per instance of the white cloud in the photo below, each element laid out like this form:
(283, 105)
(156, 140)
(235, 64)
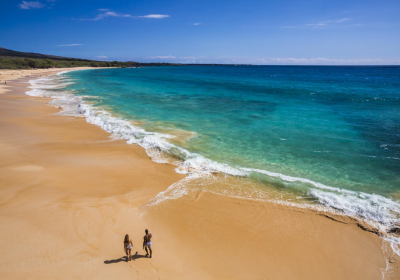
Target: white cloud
(276, 60)
(69, 45)
(321, 24)
(322, 60)
(316, 24)
(164, 57)
(154, 16)
(109, 13)
(31, 5)
(315, 61)
(196, 23)
(326, 22)
(181, 59)
(102, 57)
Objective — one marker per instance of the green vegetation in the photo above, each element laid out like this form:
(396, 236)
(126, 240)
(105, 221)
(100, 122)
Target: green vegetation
(10, 59)
(7, 62)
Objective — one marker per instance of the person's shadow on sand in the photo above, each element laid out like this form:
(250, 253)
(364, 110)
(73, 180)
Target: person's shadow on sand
(122, 259)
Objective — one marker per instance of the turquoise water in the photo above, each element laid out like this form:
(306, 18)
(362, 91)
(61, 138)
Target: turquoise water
(339, 126)
(329, 136)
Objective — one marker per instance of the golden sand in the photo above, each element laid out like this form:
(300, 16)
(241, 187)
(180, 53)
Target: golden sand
(69, 194)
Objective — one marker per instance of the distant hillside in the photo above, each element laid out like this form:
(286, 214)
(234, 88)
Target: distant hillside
(10, 59)
(6, 52)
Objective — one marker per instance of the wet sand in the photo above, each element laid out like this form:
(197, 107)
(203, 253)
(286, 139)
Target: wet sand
(69, 194)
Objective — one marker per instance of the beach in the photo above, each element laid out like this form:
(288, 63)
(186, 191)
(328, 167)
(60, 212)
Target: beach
(69, 194)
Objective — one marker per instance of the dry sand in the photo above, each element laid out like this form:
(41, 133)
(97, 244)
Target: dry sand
(69, 194)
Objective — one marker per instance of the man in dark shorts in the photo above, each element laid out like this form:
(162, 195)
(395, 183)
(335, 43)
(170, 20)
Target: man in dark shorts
(147, 243)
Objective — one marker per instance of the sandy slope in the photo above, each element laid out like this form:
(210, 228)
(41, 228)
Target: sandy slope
(68, 195)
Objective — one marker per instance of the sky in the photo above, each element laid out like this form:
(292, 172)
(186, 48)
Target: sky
(271, 32)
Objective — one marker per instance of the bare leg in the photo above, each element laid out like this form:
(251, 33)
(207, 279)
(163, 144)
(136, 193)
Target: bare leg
(151, 252)
(147, 253)
(126, 252)
(130, 255)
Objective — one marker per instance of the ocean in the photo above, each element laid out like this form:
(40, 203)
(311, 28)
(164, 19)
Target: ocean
(315, 136)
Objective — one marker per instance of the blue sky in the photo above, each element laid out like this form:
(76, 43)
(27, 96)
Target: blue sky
(207, 31)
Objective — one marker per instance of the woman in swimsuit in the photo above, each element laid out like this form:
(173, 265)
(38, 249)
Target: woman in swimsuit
(128, 247)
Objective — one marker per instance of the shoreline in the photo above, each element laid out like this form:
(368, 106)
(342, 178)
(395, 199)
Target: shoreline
(202, 166)
(34, 151)
(376, 212)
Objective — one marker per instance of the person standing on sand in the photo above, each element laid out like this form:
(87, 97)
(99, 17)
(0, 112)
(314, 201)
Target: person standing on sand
(147, 243)
(128, 247)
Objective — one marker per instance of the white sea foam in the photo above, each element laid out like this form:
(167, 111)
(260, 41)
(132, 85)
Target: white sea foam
(371, 207)
(379, 211)
(292, 179)
(63, 72)
(154, 143)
